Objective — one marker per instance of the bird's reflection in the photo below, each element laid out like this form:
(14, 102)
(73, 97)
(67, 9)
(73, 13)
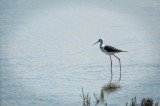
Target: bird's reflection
(106, 89)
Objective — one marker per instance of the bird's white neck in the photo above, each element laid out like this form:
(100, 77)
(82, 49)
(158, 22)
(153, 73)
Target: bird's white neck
(102, 46)
(101, 43)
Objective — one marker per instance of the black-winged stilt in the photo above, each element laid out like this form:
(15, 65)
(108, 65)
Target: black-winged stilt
(110, 51)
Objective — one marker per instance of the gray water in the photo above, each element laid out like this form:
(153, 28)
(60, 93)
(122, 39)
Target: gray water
(47, 56)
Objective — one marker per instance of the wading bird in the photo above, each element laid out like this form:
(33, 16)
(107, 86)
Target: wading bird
(110, 51)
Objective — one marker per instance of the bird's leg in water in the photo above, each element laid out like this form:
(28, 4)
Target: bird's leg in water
(111, 69)
(120, 66)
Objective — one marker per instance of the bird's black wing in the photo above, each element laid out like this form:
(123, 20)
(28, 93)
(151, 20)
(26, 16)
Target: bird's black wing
(111, 49)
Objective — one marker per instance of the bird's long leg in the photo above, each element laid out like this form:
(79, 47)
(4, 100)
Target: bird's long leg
(120, 66)
(111, 69)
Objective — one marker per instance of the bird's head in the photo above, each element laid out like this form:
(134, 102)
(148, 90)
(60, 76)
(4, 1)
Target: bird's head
(100, 40)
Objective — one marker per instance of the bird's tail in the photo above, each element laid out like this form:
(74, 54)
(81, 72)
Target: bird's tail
(124, 51)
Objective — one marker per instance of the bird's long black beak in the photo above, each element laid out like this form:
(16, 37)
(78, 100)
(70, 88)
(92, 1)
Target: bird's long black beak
(96, 42)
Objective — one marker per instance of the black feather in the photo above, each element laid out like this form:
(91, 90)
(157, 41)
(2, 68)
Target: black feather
(112, 49)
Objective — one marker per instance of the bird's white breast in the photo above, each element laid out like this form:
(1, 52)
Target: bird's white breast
(102, 49)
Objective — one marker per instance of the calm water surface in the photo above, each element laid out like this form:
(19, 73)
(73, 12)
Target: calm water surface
(47, 56)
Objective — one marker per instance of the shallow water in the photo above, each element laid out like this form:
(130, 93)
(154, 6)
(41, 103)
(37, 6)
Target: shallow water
(47, 56)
